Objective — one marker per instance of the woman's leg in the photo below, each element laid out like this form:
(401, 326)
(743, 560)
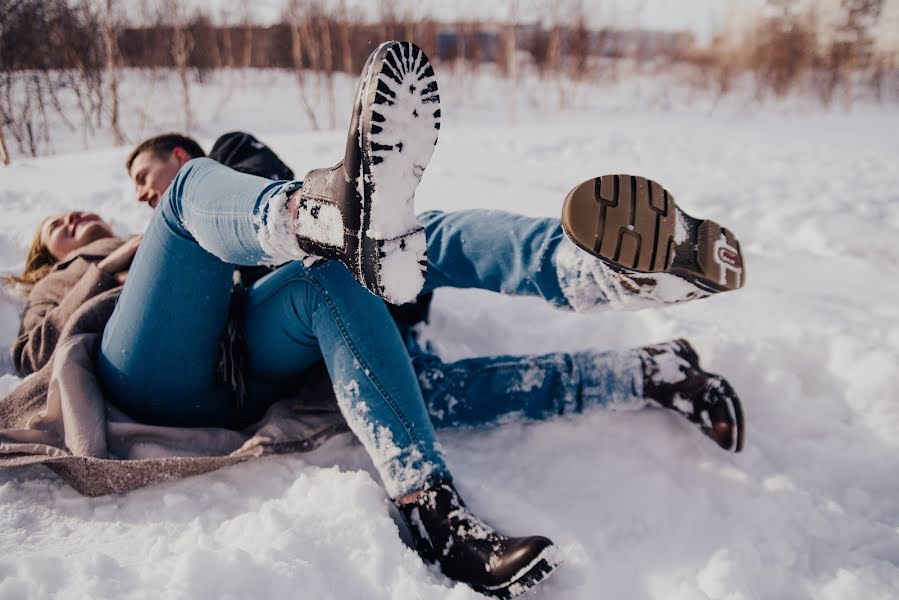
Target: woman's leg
(299, 315)
(160, 350)
(487, 390)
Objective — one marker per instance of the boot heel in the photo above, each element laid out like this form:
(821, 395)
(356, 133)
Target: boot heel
(400, 265)
(719, 257)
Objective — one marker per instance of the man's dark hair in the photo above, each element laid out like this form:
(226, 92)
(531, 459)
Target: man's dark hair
(164, 144)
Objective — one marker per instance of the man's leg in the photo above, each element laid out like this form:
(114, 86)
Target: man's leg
(486, 390)
(495, 251)
(622, 243)
(513, 254)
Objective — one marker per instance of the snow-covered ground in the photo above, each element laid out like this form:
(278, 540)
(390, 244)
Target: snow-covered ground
(641, 504)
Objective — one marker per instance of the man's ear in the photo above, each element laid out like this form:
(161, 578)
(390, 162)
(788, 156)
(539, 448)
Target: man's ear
(181, 155)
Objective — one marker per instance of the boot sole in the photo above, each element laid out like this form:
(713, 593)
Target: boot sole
(634, 224)
(543, 566)
(398, 129)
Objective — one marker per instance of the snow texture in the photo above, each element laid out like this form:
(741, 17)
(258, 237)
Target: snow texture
(590, 286)
(401, 275)
(403, 469)
(321, 222)
(275, 231)
(642, 506)
(408, 129)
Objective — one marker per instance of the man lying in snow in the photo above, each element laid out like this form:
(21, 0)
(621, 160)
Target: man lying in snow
(622, 243)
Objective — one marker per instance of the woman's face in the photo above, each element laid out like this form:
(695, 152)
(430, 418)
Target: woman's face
(69, 231)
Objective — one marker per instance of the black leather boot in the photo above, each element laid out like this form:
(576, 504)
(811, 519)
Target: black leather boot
(360, 211)
(470, 551)
(674, 379)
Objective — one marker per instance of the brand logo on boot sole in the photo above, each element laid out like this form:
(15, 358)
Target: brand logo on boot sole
(728, 260)
(730, 257)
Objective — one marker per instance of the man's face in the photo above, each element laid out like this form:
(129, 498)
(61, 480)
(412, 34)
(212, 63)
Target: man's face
(152, 173)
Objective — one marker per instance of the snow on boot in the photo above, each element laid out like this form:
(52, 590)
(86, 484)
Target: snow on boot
(470, 551)
(674, 379)
(660, 252)
(360, 211)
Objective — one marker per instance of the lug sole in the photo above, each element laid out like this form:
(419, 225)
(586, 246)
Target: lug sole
(634, 224)
(398, 129)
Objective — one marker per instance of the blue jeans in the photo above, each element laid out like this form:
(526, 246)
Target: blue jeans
(159, 353)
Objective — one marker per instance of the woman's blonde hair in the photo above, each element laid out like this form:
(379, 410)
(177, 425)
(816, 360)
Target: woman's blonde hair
(38, 263)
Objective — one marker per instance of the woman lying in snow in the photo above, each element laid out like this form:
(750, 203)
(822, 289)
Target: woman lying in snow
(162, 359)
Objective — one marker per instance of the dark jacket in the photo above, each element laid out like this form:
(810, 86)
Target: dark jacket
(242, 152)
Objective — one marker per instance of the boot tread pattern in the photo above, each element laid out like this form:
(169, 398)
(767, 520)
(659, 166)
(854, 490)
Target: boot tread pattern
(636, 223)
(399, 125)
(633, 223)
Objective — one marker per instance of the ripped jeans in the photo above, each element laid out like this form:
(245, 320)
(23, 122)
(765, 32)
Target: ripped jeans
(159, 354)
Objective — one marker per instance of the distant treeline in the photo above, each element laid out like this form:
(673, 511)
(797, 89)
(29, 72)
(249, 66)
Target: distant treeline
(80, 47)
(56, 34)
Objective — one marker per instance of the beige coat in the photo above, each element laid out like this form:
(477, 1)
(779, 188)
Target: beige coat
(57, 415)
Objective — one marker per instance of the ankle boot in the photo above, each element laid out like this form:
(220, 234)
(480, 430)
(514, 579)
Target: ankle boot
(674, 380)
(659, 253)
(360, 211)
(470, 551)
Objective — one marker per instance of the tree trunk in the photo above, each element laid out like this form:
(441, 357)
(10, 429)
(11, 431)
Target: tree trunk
(109, 32)
(248, 35)
(4, 153)
(328, 70)
(345, 49)
(296, 46)
(181, 53)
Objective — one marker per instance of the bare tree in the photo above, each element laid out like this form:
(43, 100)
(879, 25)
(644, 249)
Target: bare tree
(344, 28)
(181, 47)
(4, 153)
(110, 30)
(510, 55)
(311, 41)
(854, 43)
(45, 47)
(247, 61)
(580, 48)
(554, 52)
(296, 45)
(327, 65)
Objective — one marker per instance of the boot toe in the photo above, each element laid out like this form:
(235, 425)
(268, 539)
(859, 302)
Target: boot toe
(517, 565)
(725, 413)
